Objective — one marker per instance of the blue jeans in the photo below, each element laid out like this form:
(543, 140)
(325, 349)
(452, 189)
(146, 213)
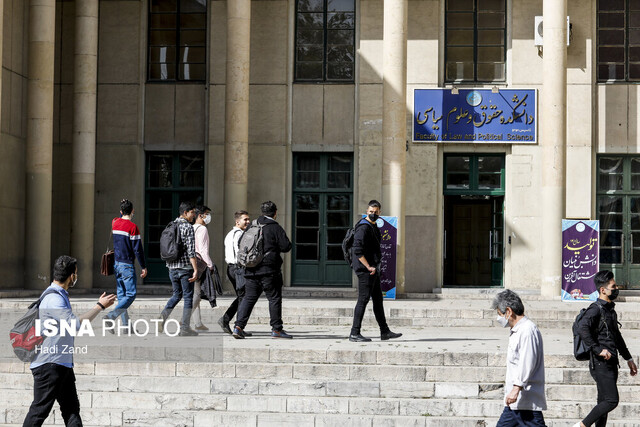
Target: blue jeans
(126, 290)
(181, 288)
(520, 418)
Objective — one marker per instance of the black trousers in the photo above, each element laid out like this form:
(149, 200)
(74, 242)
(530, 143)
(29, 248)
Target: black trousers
(232, 270)
(606, 375)
(271, 285)
(53, 382)
(369, 288)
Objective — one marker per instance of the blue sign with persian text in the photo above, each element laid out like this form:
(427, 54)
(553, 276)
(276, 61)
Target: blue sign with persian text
(506, 116)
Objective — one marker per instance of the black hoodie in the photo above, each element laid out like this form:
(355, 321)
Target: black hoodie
(598, 335)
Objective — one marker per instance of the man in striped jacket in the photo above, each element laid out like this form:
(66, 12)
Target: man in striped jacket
(127, 247)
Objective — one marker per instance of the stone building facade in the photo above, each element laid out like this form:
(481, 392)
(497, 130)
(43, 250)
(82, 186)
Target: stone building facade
(309, 103)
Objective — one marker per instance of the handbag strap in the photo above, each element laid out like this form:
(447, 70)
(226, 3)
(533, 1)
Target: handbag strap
(110, 237)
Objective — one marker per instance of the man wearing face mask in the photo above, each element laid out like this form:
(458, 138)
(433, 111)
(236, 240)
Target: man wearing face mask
(524, 385)
(366, 261)
(203, 218)
(599, 330)
(53, 377)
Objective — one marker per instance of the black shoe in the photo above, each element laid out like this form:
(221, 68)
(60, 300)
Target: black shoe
(187, 333)
(389, 335)
(358, 338)
(238, 333)
(247, 334)
(225, 326)
(280, 334)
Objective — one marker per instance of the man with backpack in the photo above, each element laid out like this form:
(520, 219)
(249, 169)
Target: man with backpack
(183, 271)
(365, 263)
(598, 329)
(235, 272)
(261, 244)
(53, 377)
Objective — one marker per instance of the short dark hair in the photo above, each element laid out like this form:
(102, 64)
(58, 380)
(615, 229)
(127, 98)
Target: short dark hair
(374, 204)
(126, 207)
(239, 214)
(508, 299)
(602, 278)
(185, 207)
(202, 209)
(63, 267)
(268, 208)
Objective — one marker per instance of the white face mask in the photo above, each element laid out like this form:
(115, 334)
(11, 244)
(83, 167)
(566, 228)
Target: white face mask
(207, 219)
(73, 282)
(503, 321)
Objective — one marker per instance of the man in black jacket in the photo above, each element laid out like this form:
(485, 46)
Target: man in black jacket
(366, 261)
(599, 330)
(266, 276)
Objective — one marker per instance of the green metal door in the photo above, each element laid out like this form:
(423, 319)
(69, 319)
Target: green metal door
(618, 209)
(172, 178)
(322, 205)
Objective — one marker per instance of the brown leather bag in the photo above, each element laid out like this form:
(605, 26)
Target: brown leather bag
(106, 264)
(108, 260)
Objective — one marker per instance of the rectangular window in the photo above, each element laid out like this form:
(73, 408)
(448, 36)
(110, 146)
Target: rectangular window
(478, 174)
(618, 40)
(177, 40)
(325, 40)
(171, 178)
(475, 40)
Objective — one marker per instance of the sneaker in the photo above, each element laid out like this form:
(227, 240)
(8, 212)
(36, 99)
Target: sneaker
(201, 327)
(161, 323)
(188, 332)
(280, 334)
(358, 338)
(247, 334)
(107, 317)
(225, 326)
(389, 335)
(238, 333)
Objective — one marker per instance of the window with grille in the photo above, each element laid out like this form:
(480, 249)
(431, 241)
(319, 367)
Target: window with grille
(177, 40)
(475, 40)
(618, 40)
(325, 40)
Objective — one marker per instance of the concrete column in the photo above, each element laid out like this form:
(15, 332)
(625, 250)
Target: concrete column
(553, 143)
(39, 152)
(394, 121)
(236, 147)
(84, 138)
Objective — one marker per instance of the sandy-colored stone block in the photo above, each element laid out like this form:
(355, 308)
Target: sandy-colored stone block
(118, 113)
(307, 114)
(267, 114)
(338, 114)
(269, 44)
(119, 42)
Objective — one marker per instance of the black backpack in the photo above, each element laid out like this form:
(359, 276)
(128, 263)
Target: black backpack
(170, 242)
(580, 350)
(23, 336)
(251, 246)
(347, 243)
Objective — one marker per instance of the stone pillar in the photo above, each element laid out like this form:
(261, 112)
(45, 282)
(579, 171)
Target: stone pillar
(236, 147)
(394, 121)
(553, 143)
(39, 152)
(84, 138)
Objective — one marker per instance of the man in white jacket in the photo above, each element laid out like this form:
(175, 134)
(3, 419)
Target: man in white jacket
(524, 386)
(203, 218)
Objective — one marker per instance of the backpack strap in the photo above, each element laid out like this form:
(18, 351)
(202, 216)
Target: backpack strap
(44, 294)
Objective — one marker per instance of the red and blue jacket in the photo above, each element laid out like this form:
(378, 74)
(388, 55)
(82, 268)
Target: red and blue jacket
(127, 242)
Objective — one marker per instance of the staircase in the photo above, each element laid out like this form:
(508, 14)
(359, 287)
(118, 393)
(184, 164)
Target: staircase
(447, 370)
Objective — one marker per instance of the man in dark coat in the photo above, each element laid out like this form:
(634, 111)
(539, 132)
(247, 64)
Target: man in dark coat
(266, 276)
(599, 330)
(366, 263)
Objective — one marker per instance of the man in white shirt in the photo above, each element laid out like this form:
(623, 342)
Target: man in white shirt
(234, 271)
(203, 218)
(524, 386)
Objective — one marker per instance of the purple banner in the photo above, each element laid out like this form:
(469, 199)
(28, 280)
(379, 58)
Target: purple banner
(388, 226)
(580, 249)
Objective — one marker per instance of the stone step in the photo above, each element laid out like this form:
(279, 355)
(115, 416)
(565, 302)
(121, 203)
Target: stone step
(133, 406)
(320, 387)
